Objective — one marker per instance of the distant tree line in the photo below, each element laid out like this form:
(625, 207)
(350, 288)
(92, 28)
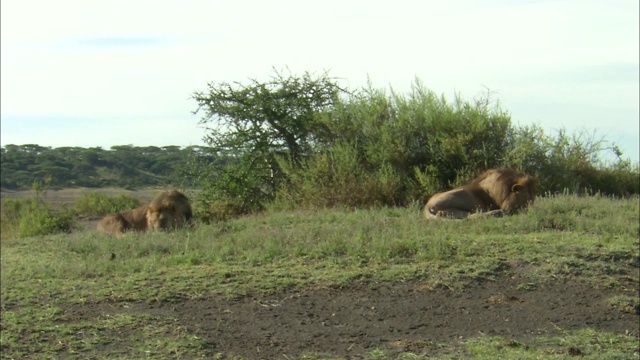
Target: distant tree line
(123, 166)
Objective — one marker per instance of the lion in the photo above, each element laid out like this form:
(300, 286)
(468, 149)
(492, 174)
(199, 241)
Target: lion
(118, 223)
(494, 193)
(169, 210)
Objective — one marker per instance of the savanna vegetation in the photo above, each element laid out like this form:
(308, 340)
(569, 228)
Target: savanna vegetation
(333, 181)
(305, 142)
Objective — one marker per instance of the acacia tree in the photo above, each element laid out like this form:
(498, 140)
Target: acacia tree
(249, 126)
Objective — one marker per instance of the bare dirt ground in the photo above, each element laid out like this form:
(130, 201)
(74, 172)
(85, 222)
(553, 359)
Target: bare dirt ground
(395, 317)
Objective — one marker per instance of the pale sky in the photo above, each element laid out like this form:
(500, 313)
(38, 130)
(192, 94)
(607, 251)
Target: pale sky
(116, 72)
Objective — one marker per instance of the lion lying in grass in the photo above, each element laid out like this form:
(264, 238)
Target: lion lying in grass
(168, 210)
(119, 223)
(494, 193)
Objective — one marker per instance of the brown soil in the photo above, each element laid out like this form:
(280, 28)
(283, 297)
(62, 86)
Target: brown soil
(394, 317)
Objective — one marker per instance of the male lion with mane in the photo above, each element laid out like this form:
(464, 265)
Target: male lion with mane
(118, 223)
(494, 193)
(169, 210)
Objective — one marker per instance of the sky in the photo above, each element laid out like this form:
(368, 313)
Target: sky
(116, 72)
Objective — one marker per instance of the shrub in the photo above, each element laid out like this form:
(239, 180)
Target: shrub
(303, 142)
(389, 150)
(339, 178)
(26, 217)
(219, 209)
(96, 204)
(571, 162)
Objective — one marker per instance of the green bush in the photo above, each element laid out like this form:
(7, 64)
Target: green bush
(338, 178)
(26, 217)
(421, 130)
(389, 150)
(219, 209)
(571, 162)
(96, 204)
(424, 144)
(303, 141)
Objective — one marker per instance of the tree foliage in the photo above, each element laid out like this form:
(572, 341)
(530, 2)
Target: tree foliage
(252, 125)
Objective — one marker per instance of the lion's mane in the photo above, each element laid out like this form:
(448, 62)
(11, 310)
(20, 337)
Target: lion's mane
(169, 210)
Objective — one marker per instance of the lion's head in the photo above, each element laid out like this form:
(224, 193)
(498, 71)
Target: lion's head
(169, 210)
(510, 190)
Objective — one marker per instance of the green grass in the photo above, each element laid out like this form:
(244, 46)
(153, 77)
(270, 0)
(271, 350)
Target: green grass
(587, 344)
(584, 344)
(592, 239)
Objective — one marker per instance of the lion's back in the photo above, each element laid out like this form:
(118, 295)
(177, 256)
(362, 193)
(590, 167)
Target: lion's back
(121, 222)
(137, 218)
(112, 224)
